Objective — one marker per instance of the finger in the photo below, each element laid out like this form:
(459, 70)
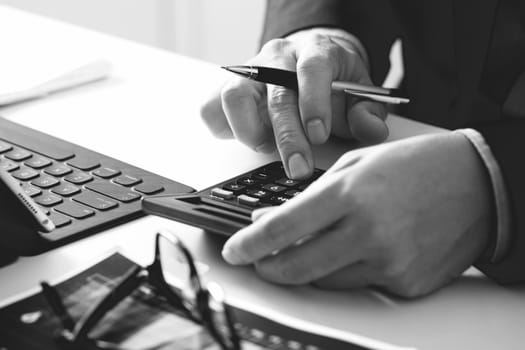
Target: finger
(366, 121)
(309, 261)
(213, 116)
(318, 207)
(240, 98)
(353, 276)
(317, 65)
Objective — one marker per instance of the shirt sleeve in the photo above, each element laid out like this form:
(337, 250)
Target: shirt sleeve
(502, 239)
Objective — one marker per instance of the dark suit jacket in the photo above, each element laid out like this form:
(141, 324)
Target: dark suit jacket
(464, 67)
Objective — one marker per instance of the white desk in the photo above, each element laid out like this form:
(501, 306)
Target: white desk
(147, 114)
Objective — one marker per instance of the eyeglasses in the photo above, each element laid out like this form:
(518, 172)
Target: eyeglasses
(202, 305)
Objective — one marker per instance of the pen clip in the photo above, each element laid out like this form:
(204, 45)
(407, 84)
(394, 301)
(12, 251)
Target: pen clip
(378, 98)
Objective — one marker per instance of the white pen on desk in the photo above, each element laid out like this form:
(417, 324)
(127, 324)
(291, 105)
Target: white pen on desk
(88, 73)
(33, 209)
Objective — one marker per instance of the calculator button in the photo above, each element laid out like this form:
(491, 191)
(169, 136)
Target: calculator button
(76, 211)
(18, 154)
(45, 181)
(78, 178)
(274, 188)
(95, 200)
(278, 200)
(31, 191)
(8, 165)
(37, 162)
(59, 220)
(219, 192)
(149, 188)
(106, 172)
(58, 170)
(24, 174)
(4, 147)
(83, 163)
(288, 182)
(244, 199)
(126, 180)
(262, 176)
(48, 200)
(247, 181)
(66, 190)
(258, 193)
(234, 187)
(292, 193)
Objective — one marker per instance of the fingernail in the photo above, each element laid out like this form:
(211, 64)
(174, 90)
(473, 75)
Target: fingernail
(230, 256)
(265, 148)
(298, 166)
(316, 131)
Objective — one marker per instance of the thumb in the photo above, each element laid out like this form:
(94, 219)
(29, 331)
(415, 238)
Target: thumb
(366, 120)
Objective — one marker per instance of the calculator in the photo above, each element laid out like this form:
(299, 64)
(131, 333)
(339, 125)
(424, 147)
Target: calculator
(226, 207)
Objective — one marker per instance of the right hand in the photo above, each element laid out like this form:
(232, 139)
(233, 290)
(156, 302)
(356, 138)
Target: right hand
(264, 116)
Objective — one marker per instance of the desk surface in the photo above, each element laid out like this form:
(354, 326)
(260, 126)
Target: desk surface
(147, 114)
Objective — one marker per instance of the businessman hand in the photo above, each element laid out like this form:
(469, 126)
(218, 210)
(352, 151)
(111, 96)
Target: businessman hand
(263, 116)
(406, 216)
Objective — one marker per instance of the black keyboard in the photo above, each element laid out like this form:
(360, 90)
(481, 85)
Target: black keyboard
(226, 207)
(82, 191)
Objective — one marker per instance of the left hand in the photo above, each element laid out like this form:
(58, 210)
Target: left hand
(407, 216)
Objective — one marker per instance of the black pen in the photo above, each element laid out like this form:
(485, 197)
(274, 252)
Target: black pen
(288, 79)
(7, 182)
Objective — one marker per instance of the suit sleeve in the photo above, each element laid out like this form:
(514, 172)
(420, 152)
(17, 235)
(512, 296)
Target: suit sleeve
(507, 142)
(371, 22)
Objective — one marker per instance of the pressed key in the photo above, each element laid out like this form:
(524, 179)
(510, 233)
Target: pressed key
(113, 191)
(274, 188)
(234, 187)
(31, 191)
(66, 190)
(126, 180)
(18, 154)
(24, 174)
(83, 163)
(78, 178)
(45, 181)
(106, 172)
(288, 182)
(4, 147)
(37, 162)
(8, 165)
(58, 170)
(48, 199)
(59, 220)
(149, 188)
(244, 199)
(74, 210)
(219, 192)
(95, 200)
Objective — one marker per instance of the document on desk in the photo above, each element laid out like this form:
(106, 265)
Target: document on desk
(144, 321)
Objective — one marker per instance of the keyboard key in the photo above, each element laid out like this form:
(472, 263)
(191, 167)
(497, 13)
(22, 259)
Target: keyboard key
(288, 182)
(48, 199)
(78, 178)
(59, 220)
(45, 210)
(24, 174)
(274, 188)
(37, 162)
(66, 190)
(95, 200)
(76, 211)
(244, 199)
(114, 191)
(8, 165)
(126, 180)
(4, 147)
(234, 187)
(247, 181)
(149, 188)
(219, 192)
(31, 191)
(292, 193)
(58, 170)
(45, 181)
(106, 172)
(262, 176)
(258, 193)
(83, 163)
(278, 200)
(18, 154)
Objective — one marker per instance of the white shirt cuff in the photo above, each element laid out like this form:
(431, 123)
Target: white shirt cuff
(503, 233)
